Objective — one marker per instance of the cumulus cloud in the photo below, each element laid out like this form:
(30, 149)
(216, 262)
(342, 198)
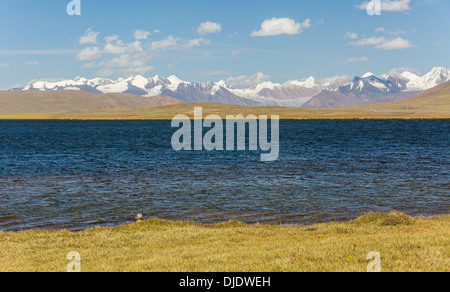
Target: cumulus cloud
(141, 34)
(125, 65)
(4, 65)
(120, 48)
(389, 5)
(351, 35)
(123, 61)
(384, 44)
(167, 44)
(209, 27)
(278, 26)
(245, 81)
(395, 44)
(110, 39)
(197, 43)
(116, 57)
(91, 53)
(89, 37)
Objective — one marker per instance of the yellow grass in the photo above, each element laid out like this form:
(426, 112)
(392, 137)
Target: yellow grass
(405, 244)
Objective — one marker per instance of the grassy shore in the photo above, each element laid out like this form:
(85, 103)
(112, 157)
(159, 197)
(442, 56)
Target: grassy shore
(405, 244)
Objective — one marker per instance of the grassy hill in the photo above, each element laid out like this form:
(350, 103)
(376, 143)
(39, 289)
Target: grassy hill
(70, 100)
(430, 104)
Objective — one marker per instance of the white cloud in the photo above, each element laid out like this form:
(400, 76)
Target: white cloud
(244, 81)
(157, 31)
(384, 44)
(390, 5)
(33, 62)
(91, 53)
(372, 41)
(123, 61)
(395, 44)
(278, 26)
(380, 29)
(112, 38)
(167, 44)
(209, 27)
(351, 35)
(356, 60)
(141, 34)
(197, 43)
(119, 48)
(126, 65)
(89, 37)
(5, 65)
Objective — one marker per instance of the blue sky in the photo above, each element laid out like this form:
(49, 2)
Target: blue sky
(243, 41)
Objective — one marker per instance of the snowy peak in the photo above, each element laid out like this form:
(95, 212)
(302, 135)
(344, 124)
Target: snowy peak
(436, 76)
(368, 74)
(409, 76)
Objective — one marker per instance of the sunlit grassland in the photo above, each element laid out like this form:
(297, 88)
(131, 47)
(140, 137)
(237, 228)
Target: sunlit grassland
(405, 244)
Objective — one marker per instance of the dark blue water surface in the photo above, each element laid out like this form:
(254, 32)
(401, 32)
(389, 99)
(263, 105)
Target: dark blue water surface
(79, 174)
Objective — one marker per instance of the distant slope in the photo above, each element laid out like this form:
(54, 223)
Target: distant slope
(433, 100)
(69, 100)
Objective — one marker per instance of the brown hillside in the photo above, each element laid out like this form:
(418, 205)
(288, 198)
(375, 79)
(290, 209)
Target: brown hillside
(63, 101)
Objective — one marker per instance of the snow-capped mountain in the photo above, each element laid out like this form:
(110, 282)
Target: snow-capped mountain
(373, 89)
(432, 79)
(308, 92)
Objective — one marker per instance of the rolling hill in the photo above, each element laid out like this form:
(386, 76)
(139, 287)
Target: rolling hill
(70, 100)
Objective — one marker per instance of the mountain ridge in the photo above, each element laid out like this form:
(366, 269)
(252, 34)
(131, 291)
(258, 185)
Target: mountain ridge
(308, 92)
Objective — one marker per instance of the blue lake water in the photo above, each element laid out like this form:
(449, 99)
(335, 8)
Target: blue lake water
(79, 174)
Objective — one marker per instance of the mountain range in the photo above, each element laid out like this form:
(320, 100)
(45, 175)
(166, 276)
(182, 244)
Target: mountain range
(309, 92)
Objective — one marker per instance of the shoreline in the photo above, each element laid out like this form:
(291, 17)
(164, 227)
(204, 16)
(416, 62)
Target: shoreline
(212, 224)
